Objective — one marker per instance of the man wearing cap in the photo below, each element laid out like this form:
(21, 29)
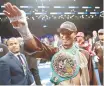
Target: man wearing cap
(69, 65)
(99, 48)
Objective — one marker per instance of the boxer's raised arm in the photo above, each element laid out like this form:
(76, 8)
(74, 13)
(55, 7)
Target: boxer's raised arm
(18, 20)
(33, 46)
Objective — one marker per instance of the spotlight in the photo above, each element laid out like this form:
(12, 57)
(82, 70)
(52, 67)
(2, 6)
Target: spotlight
(44, 26)
(102, 14)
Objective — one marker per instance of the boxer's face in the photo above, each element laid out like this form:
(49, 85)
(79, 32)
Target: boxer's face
(67, 39)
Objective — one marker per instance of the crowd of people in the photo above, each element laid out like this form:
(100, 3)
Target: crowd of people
(76, 59)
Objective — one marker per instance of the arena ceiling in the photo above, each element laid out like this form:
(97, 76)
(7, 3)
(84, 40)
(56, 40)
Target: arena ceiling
(47, 15)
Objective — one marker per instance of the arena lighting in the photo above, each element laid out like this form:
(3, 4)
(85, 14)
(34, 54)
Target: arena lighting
(44, 26)
(97, 7)
(28, 13)
(40, 13)
(84, 7)
(54, 13)
(26, 6)
(73, 7)
(102, 14)
(86, 10)
(94, 13)
(59, 7)
(2, 14)
(80, 12)
(69, 13)
(2, 6)
(43, 6)
(83, 12)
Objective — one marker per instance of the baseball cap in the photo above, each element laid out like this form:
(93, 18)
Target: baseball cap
(68, 25)
(101, 31)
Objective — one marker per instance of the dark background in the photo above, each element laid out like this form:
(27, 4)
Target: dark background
(36, 26)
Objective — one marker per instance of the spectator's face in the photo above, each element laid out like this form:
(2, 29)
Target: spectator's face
(13, 45)
(94, 33)
(101, 36)
(56, 37)
(79, 39)
(67, 40)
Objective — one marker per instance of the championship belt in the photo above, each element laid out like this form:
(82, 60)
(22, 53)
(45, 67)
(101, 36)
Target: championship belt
(64, 67)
